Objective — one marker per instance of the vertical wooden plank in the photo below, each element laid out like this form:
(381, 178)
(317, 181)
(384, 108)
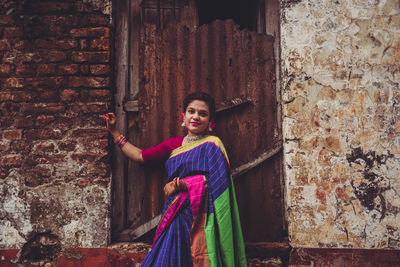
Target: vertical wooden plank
(173, 10)
(261, 19)
(190, 15)
(135, 27)
(121, 83)
(272, 15)
(272, 27)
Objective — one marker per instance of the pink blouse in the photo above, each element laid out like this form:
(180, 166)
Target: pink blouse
(162, 151)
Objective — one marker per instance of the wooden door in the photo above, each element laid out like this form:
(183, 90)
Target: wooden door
(237, 67)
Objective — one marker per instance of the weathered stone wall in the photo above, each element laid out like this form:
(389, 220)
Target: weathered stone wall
(341, 125)
(55, 75)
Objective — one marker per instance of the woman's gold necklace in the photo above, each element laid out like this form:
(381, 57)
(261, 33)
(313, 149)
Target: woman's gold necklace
(189, 139)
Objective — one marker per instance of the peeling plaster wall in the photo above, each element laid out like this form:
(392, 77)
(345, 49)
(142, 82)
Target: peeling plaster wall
(55, 86)
(341, 122)
(105, 6)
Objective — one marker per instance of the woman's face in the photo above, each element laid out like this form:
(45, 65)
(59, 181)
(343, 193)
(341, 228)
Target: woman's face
(197, 117)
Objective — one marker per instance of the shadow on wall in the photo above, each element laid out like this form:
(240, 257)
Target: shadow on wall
(41, 247)
(371, 188)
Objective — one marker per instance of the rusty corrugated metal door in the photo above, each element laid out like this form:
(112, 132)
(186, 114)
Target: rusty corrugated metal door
(230, 64)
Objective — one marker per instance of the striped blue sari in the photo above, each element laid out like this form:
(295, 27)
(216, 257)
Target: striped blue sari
(200, 227)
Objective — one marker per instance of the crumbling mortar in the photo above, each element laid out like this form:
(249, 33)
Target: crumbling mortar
(339, 212)
(8, 217)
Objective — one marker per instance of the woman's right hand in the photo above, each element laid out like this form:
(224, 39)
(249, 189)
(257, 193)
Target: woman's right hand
(130, 150)
(176, 185)
(111, 121)
(170, 188)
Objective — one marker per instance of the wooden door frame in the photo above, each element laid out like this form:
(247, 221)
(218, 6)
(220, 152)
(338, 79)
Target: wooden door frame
(119, 160)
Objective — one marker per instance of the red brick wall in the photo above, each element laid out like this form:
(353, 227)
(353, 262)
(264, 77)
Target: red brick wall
(56, 84)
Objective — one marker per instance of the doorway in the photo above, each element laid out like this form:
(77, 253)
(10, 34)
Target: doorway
(167, 49)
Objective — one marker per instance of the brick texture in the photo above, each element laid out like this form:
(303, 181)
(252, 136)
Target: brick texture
(55, 72)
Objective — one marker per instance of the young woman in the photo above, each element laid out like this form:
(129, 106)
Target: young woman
(200, 222)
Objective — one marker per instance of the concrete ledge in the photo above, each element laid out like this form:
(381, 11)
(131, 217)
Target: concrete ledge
(334, 257)
(261, 254)
(113, 256)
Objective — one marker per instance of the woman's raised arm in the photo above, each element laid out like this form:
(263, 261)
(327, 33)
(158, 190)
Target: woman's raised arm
(130, 150)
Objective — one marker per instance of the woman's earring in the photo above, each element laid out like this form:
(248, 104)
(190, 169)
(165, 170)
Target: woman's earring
(182, 119)
(211, 125)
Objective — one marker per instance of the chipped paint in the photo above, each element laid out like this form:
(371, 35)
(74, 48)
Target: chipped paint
(78, 216)
(15, 224)
(105, 6)
(341, 103)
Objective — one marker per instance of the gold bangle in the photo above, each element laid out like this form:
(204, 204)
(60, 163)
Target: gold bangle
(118, 139)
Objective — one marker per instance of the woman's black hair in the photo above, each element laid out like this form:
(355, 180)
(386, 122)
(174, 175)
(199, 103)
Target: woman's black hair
(200, 96)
